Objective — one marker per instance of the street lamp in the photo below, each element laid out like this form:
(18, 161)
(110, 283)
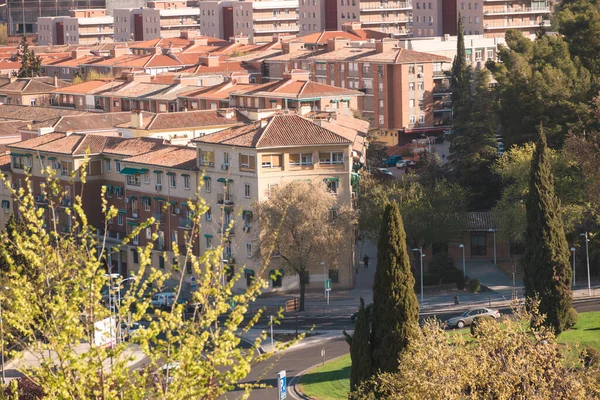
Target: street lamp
(324, 279)
(494, 230)
(420, 250)
(462, 246)
(573, 251)
(587, 256)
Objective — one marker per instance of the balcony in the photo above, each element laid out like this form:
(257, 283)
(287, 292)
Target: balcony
(442, 106)
(40, 198)
(514, 25)
(373, 20)
(291, 28)
(442, 90)
(225, 199)
(159, 216)
(387, 5)
(519, 10)
(280, 17)
(65, 203)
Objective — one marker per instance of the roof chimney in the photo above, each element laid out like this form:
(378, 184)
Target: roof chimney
(209, 61)
(385, 45)
(118, 52)
(291, 47)
(263, 123)
(334, 44)
(137, 119)
(351, 26)
(55, 81)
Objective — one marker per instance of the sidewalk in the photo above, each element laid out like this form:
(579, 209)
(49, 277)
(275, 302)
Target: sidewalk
(320, 336)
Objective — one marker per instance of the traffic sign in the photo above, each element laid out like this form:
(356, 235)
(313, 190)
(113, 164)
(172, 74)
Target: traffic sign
(328, 284)
(282, 385)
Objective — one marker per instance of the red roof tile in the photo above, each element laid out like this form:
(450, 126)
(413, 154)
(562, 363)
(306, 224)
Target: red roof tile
(170, 157)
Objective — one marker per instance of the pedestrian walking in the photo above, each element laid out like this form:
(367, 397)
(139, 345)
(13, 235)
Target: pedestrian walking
(366, 261)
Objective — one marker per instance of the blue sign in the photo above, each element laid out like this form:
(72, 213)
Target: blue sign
(282, 385)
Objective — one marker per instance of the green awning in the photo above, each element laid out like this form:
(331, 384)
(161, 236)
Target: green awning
(107, 159)
(51, 158)
(132, 223)
(157, 171)
(248, 272)
(133, 197)
(272, 101)
(145, 198)
(159, 199)
(144, 170)
(224, 180)
(185, 174)
(131, 171)
(170, 173)
(334, 101)
(208, 235)
(108, 187)
(16, 154)
(173, 203)
(122, 211)
(331, 180)
(206, 178)
(354, 178)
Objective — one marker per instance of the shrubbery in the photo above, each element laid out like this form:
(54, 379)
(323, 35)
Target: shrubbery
(475, 325)
(571, 319)
(474, 286)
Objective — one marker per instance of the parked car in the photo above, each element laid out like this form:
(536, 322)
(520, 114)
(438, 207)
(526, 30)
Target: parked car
(384, 173)
(401, 164)
(163, 300)
(501, 146)
(127, 331)
(466, 318)
(392, 160)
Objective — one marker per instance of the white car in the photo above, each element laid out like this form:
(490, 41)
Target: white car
(163, 300)
(466, 318)
(401, 164)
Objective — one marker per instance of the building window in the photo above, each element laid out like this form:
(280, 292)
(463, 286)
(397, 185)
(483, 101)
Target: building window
(247, 190)
(249, 250)
(301, 159)
(207, 158)
(332, 185)
(208, 215)
(247, 162)
(172, 180)
(420, 85)
(478, 55)
(381, 119)
(411, 68)
(18, 162)
(149, 233)
(207, 184)
(135, 256)
(412, 119)
(381, 103)
(478, 244)
(490, 54)
(174, 237)
(161, 262)
(133, 180)
(186, 182)
(420, 69)
(120, 218)
(331, 158)
(276, 277)
(271, 161)
(411, 86)
(117, 165)
(411, 103)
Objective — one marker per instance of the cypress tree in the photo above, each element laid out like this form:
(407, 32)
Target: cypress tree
(546, 260)
(459, 64)
(395, 306)
(360, 350)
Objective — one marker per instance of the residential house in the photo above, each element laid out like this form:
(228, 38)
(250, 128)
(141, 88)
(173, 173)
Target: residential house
(28, 91)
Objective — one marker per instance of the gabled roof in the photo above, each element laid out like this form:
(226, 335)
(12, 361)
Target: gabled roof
(190, 119)
(218, 92)
(90, 87)
(357, 34)
(10, 128)
(35, 114)
(279, 131)
(295, 89)
(479, 221)
(132, 147)
(31, 85)
(171, 157)
(83, 123)
(76, 144)
(171, 92)
(32, 144)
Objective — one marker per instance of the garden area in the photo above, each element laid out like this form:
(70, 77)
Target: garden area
(332, 380)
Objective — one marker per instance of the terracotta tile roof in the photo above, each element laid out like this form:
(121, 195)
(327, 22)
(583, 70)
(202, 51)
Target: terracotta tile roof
(10, 128)
(170, 157)
(7, 64)
(353, 135)
(190, 119)
(76, 62)
(280, 131)
(35, 114)
(131, 147)
(295, 88)
(64, 145)
(479, 221)
(161, 42)
(393, 56)
(359, 34)
(31, 85)
(32, 144)
(224, 67)
(86, 87)
(219, 92)
(170, 92)
(91, 144)
(5, 163)
(135, 89)
(83, 123)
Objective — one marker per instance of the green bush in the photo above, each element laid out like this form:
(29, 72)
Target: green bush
(476, 323)
(474, 286)
(590, 357)
(442, 266)
(428, 280)
(571, 319)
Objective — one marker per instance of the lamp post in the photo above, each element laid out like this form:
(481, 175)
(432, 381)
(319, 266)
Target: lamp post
(494, 231)
(587, 256)
(324, 279)
(573, 251)
(462, 246)
(421, 255)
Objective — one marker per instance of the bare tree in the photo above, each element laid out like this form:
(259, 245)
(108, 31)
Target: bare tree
(303, 224)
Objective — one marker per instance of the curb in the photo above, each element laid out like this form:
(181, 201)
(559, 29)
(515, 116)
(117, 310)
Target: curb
(294, 383)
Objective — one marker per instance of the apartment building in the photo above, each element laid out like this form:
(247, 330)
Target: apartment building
(161, 19)
(260, 20)
(397, 83)
(86, 27)
(393, 17)
(28, 91)
(145, 177)
(491, 18)
(6, 199)
(241, 165)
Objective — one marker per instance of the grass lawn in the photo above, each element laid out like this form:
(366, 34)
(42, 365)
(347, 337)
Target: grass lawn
(328, 382)
(332, 381)
(586, 332)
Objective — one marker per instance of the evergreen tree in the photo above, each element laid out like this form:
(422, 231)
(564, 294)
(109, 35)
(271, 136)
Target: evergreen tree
(460, 60)
(546, 260)
(360, 350)
(31, 65)
(395, 305)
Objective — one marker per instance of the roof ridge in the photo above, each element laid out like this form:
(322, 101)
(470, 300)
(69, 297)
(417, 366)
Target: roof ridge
(304, 86)
(152, 121)
(81, 141)
(265, 130)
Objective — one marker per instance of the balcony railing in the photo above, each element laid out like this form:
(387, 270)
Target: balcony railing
(387, 5)
(384, 20)
(291, 28)
(520, 10)
(225, 198)
(515, 24)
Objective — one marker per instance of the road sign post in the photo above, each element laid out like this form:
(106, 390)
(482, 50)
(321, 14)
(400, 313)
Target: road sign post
(271, 331)
(323, 355)
(282, 385)
(293, 305)
(327, 289)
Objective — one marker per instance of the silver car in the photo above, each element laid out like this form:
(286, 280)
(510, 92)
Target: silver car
(466, 318)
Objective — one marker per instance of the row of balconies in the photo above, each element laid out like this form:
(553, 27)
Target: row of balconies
(517, 10)
(500, 24)
(385, 5)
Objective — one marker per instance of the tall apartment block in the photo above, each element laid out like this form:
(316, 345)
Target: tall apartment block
(22, 15)
(490, 18)
(159, 19)
(81, 27)
(388, 16)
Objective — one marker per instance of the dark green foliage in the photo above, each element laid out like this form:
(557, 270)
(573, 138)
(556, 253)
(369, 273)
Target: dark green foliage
(590, 357)
(31, 65)
(546, 260)
(571, 319)
(460, 69)
(360, 348)
(474, 286)
(442, 266)
(395, 305)
(476, 323)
